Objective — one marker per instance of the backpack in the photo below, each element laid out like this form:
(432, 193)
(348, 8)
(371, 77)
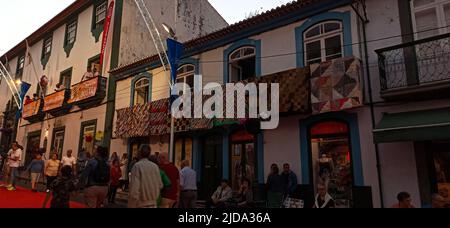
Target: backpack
(101, 174)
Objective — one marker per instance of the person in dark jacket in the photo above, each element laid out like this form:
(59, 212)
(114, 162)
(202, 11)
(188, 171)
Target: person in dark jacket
(62, 188)
(275, 188)
(290, 179)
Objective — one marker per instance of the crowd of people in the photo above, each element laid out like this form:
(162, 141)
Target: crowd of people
(153, 182)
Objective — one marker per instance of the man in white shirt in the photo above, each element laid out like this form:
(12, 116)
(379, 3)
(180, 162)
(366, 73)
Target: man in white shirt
(145, 181)
(14, 158)
(69, 160)
(188, 185)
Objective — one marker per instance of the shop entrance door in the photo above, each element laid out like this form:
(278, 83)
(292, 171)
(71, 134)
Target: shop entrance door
(32, 145)
(243, 158)
(332, 161)
(211, 165)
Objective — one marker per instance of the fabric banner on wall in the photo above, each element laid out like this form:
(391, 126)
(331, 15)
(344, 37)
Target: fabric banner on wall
(54, 101)
(84, 90)
(336, 85)
(31, 109)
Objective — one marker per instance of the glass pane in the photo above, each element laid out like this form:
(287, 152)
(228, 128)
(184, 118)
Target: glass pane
(313, 32)
(235, 55)
(190, 81)
(418, 3)
(447, 16)
(332, 26)
(333, 45)
(332, 165)
(313, 50)
(426, 23)
(249, 51)
(190, 68)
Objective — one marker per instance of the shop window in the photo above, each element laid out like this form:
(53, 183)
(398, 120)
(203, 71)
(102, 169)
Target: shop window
(331, 160)
(243, 158)
(242, 64)
(323, 42)
(441, 155)
(186, 74)
(141, 91)
(183, 151)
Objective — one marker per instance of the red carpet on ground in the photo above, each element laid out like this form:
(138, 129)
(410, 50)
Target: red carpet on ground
(24, 198)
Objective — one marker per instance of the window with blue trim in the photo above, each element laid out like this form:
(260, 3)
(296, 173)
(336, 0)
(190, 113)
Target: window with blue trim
(323, 42)
(242, 64)
(186, 74)
(141, 91)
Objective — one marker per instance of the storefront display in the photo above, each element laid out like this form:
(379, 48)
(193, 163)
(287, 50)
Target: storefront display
(442, 167)
(242, 158)
(332, 161)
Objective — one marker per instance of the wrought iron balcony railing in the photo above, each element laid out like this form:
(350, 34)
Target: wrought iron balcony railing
(423, 62)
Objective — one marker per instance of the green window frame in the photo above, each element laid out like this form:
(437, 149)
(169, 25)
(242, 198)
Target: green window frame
(20, 66)
(70, 36)
(66, 73)
(98, 18)
(46, 50)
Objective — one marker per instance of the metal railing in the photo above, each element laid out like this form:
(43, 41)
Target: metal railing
(416, 63)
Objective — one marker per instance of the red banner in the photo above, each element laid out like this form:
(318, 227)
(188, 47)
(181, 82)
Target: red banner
(84, 90)
(106, 31)
(54, 101)
(31, 109)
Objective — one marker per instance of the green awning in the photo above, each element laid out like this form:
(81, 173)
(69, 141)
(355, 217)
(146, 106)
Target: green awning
(414, 126)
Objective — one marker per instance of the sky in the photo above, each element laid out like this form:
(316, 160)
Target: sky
(20, 18)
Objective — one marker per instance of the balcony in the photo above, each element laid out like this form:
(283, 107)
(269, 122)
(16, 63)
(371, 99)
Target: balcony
(420, 68)
(88, 93)
(56, 103)
(32, 112)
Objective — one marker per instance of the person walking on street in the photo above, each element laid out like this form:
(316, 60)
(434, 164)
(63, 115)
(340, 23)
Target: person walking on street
(62, 188)
(114, 184)
(97, 176)
(323, 198)
(188, 185)
(124, 170)
(145, 181)
(275, 188)
(170, 195)
(51, 170)
(69, 160)
(36, 169)
(404, 201)
(290, 179)
(14, 158)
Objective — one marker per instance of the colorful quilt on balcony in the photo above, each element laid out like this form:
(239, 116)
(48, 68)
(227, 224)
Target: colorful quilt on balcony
(336, 85)
(143, 120)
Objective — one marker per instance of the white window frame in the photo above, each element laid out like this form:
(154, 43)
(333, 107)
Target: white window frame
(438, 6)
(71, 32)
(242, 56)
(186, 74)
(143, 85)
(48, 46)
(100, 10)
(322, 37)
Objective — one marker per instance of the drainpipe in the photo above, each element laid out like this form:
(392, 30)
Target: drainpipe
(371, 103)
